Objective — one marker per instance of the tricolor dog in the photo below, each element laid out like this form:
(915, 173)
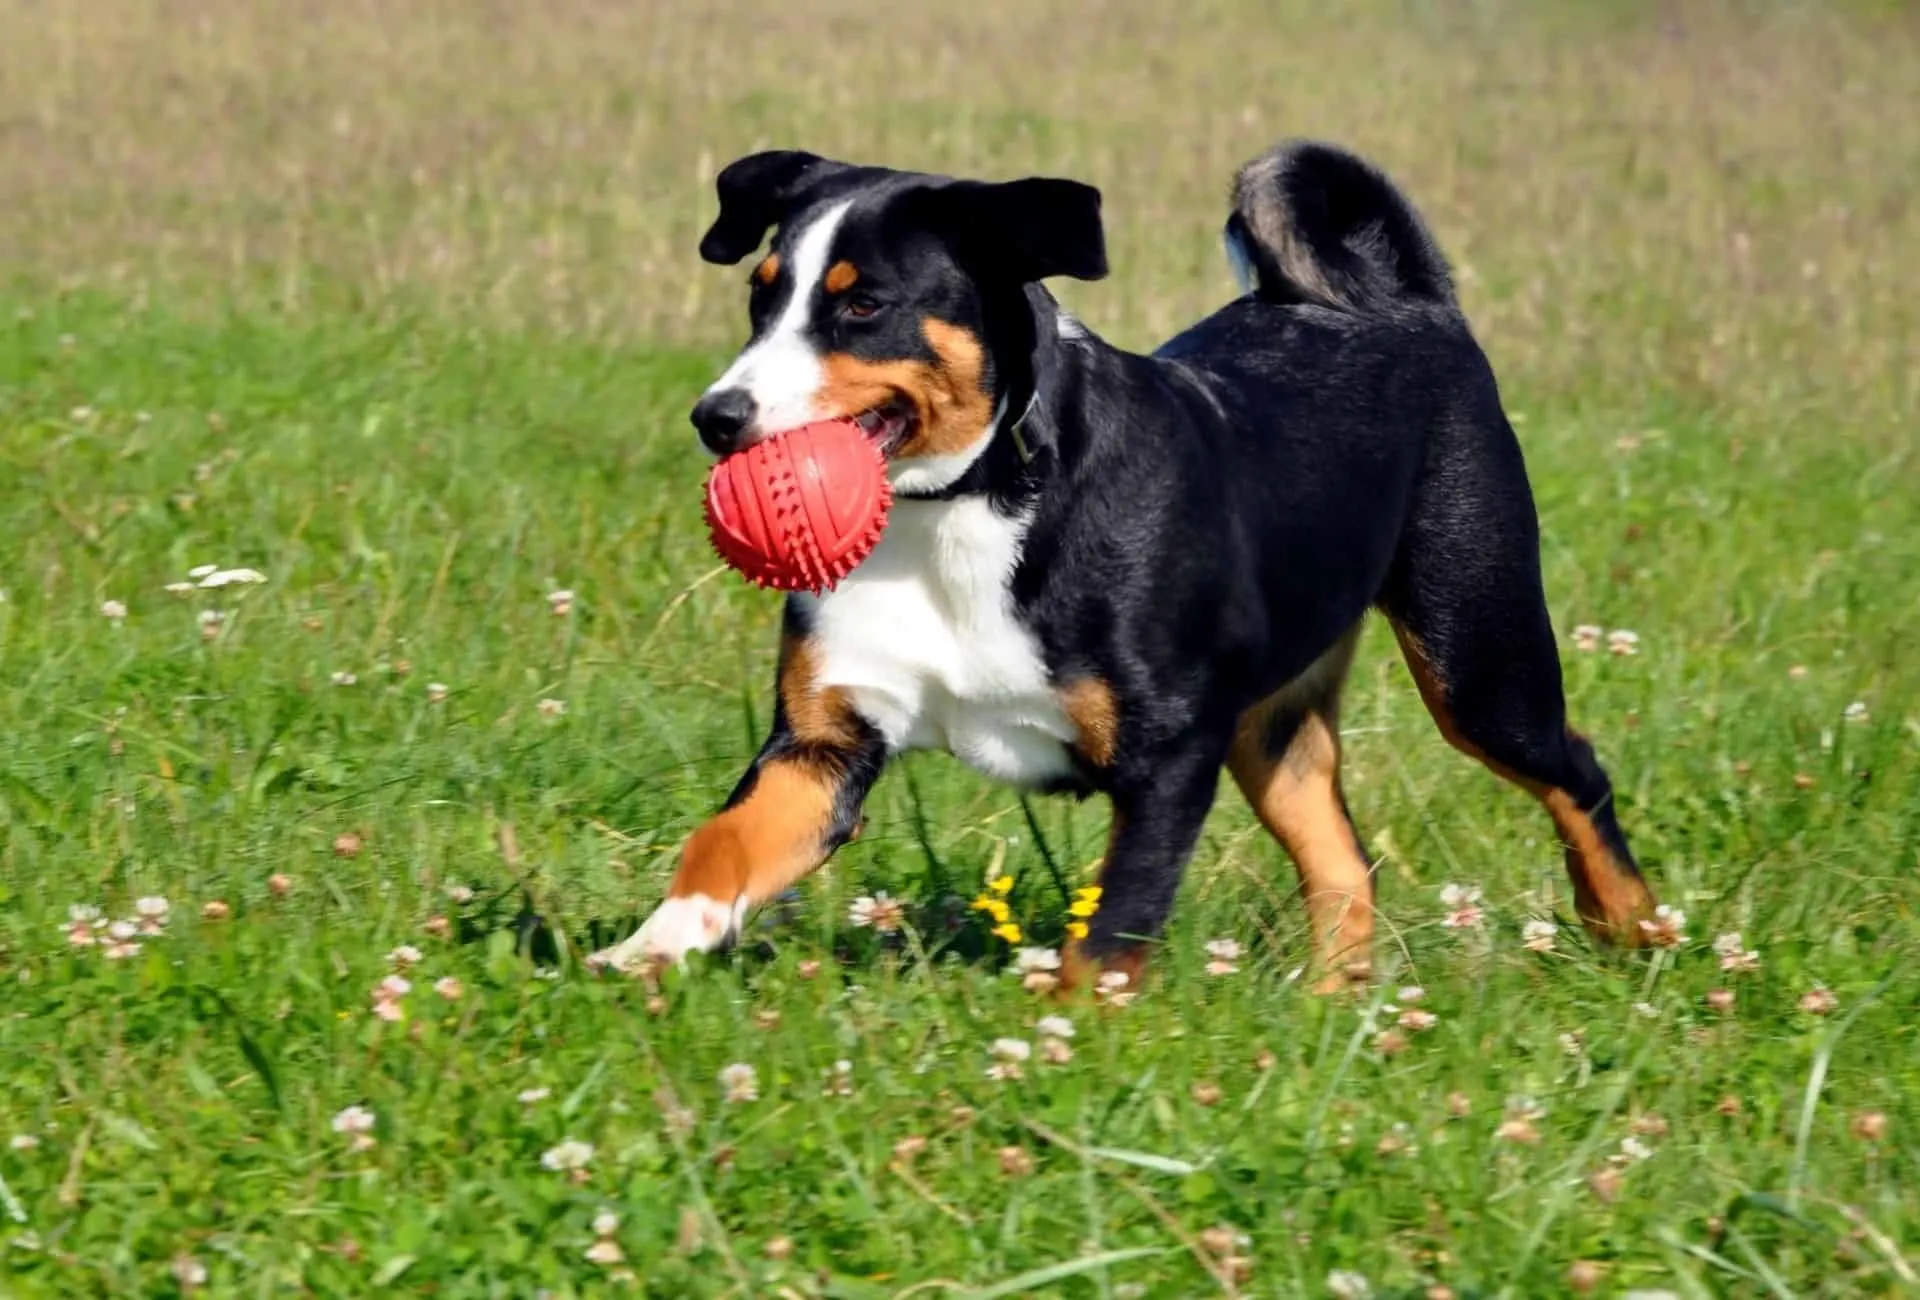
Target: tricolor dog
(1116, 573)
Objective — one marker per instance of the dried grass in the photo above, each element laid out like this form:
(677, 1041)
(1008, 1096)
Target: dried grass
(1701, 202)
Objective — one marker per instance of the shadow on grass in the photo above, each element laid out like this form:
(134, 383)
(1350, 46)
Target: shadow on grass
(947, 927)
(946, 924)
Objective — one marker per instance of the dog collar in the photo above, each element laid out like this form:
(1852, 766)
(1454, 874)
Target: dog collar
(1019, 430)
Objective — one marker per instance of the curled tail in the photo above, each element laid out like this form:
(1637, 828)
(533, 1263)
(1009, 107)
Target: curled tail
(1315, 224)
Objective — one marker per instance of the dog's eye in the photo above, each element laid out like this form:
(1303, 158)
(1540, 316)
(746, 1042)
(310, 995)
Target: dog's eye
(860, 306)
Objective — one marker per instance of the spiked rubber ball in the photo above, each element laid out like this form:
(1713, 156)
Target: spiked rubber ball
(798, 511)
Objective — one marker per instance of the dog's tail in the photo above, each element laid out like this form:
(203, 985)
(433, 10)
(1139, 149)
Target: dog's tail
(1315, 224)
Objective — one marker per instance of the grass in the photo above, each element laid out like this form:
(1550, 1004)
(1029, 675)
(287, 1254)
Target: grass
(397, 306)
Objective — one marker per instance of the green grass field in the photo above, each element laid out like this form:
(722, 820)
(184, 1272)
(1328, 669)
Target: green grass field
(398, 307)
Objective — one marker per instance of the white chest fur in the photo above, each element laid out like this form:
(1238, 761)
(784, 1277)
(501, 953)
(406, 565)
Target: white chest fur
(924, 638)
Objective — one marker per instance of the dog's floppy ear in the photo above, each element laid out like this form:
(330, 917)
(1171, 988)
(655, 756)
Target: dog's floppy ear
(1028, 229)
(755, 192)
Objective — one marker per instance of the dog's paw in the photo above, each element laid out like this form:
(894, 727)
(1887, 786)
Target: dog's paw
(694, 923)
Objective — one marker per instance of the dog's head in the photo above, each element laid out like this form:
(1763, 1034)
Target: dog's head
(884, 297)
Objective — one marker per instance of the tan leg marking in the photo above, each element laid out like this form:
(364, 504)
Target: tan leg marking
(1610, 899)
(764, 843)
(1297, 798)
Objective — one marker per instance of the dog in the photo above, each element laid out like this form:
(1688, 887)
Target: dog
(1114, 573)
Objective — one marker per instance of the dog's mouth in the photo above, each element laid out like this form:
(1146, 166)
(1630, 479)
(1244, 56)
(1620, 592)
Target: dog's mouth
(889, 424)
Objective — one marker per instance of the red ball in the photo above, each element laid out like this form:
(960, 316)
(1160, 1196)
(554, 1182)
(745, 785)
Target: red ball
(798, 511)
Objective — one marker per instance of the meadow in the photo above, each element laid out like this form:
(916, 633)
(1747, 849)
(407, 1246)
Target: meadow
(357, 612)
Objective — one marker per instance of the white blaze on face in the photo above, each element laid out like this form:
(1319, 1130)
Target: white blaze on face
(781, 369)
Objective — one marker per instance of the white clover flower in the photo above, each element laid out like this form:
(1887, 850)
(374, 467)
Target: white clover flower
(1666, 928)
(1345, 1284)
(211, 577)
(1463, 906)
(1223, 953)
(877, 910)
(356, 1123)
(1008, 1055)
(83, 920)
(1734, 955)
(740, 1082)
(354, 1119)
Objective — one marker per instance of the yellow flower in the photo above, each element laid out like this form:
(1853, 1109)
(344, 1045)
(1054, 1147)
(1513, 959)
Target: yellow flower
(1078, 929)
(992, 907)
(1083, 908)
(1089, 892)
(1008, 931)
(1001, 884)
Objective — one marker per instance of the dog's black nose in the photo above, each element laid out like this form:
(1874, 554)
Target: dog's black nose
(722, 417)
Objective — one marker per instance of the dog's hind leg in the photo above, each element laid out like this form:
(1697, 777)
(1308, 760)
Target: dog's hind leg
(1286, 760)
(1466, 601)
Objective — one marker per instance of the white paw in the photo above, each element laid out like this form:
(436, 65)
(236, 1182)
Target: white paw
(677, 927)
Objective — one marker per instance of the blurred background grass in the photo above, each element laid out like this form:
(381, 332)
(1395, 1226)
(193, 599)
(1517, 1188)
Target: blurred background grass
(1704, 201)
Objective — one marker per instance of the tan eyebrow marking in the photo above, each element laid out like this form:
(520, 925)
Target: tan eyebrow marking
(767, 269)
(840, 277)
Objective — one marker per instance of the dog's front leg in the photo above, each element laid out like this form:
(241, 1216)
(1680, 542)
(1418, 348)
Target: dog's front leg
(1159, 807)
(793, 808)
(798, 803)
